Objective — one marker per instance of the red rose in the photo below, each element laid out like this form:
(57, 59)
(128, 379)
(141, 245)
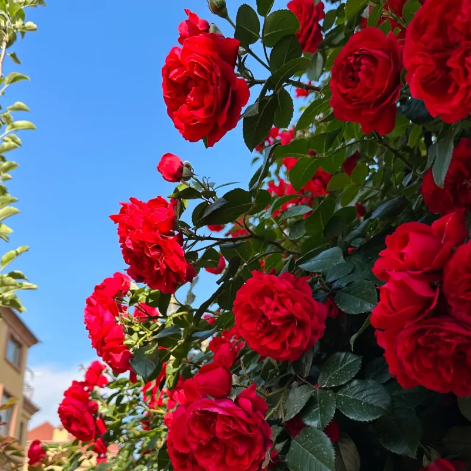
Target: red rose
(434, 352)
(318, 183)
(360, 209)
(193, 26)
(456, 193)
(150, 389)
(286, 137)
(435, 57)
(309, 15)
(295, 425)
(457, 283)
(94, 376)
(204, 97)
(333, 431)
(216, 227)
(101, 317)
(171, 168)
(303, 92)
(277, 316)
(227, 339)
(444, 465)
(213, 380)
(150, 248)
(36, 453)
(366, 81)
(332, 309)
(220, 434)
(143, 312)
(420, 249)
(403, 298)
(220, 268)
(350, 163)
(76, 412)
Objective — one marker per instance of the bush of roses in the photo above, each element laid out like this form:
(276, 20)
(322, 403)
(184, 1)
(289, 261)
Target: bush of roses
(338, 335)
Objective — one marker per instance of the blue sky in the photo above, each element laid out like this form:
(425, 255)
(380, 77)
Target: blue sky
(96, 98)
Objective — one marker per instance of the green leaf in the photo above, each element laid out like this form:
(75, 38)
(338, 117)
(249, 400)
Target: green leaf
(264, 6)
(14, 77)
(415, 111)
(297, 230)
(303, 171)
(296, 148)
(320, 409)
(228, 208)
(316, 69)
(464, 404)
(310, 113)
(186, 193)
(325, 260)
(360, 173)
(285, 109)
(278, 25)
(256, 128)
(7, 147)
(357, 298)
(353, 7)
(338, 182)
(311, 450)
(11, 255)
(198, 212)
(375, 15)
(411, 7)
(399, 433)
(335, 228)
(364, 400)
(18, 106)
(349, 194)
(458, 442)
(7, 212)
(391, 208)
(329, 19)
(443, 150)
(295, 211)
(247, 25)
(316, 223)
(286, 71)
(14, 58)
(261, 173)
(347, 457)
(280, 202)
(21, 126)
(285, 50)
(145, 362)
(339, 271)
(339, 369)
(378, 370)
(297, 399)
(321, 143)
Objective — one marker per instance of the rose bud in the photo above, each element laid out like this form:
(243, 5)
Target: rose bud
(218, 7)
(187, 171)
(171, 168)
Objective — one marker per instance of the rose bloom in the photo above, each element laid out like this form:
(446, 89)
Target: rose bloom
(143, 312)
(94, 376)
(366, 81)
(303, 92)
(77, 411)
(436, 58)
(309, 15)
(277, 316)
(204, 97)
(216, 227)
(36, 453)
(286, 136)
(220, 434)
(457, 283)
(101, 320)
(171, 168)
(456, 193)
(403, 298)
(231, 338)
(220, 268)
(360, 209)
(420, 249)
(150, 248)
(193, 26)
(433, 352)
(444, 465)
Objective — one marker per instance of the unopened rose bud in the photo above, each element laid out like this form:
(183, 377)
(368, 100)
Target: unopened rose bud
(187, 171)
(218, 7)
(214, 29)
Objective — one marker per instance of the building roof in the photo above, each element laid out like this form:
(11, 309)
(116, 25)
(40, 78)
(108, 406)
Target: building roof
(14, 320)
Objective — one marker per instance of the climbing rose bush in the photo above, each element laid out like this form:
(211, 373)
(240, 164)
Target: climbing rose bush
(333, 332)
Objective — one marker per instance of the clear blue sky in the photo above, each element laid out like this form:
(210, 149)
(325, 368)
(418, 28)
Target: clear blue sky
(96, 98)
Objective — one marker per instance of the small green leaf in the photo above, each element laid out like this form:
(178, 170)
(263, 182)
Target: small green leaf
(339, 369)
(296, 148)
(411, 7)
(329, 19)
(144, 363)
(14, 77)
(391, 208)
(21, 126)
(11, 255)
(278, 25)
(323, 142)
(443, 149)
(320, 409)
(285, 109)
(295, 211)
(317, 222)
(364, 400)
(349, 194)
(247, 25)
(14, 58)
(281, 201)
(18, 106)
(360, 173)
(297, 399)
(464, 404)
(378, 370)
(286, 71)
(264, 6)
(7, 212)
(311, 450)
(347, 457)
(256, 128)
(353, 7)
(357, 298)
(325, 260)
(284, 51)
(375, 15)
(338, 182)
(309, 114)
(297, 230)
(303, 172)
(400, 432)
(316, 69)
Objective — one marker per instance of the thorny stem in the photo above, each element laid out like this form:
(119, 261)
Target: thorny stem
(306, 86)
(386, 145)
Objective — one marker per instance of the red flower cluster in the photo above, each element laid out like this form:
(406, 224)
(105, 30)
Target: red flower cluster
(101, 319)
(309, 14)
(79, 414)
(436, 58)
(425, 303)
(94, 375)
(444, 465)
(456, 193)
(277, 316)
(366, 81)
(269, 140)
(230, 338)
(150, 247)
(204, 97)
(36, 453)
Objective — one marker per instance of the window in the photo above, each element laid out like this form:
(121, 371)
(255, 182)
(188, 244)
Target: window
(6, 416)
(14, 352)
